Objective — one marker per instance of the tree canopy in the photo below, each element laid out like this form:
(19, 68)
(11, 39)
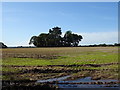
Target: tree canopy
(54, 39)
(2, 45)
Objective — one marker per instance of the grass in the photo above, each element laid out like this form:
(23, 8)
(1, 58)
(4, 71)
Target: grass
(69, 55)
(82, 58)
(63, 56)
(25, 61)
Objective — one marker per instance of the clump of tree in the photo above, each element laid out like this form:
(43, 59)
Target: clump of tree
(2, 45)
(117, 44)
(54, 39)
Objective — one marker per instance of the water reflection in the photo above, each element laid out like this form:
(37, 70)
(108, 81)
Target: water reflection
(61, 83)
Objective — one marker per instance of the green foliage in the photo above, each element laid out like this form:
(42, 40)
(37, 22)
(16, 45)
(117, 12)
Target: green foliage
(54, 39)
(2, 45)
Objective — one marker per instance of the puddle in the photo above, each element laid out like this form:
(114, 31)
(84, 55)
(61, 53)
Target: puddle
(84, 86)
(86, 79)
(54, 79)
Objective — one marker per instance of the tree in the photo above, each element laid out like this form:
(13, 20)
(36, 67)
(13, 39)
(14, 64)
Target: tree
(68, 38)
(2, 45)
(116, 44)
(55, 36)
(54, 39)
(72, 39)
(43, 39)
(34, 40)
(76, 39)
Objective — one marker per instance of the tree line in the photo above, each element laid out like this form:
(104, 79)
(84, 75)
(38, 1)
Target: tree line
(2, 45)
(101, 45)
(54, 39)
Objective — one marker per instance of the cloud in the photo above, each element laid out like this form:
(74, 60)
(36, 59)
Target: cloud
(17, 43)
(99, 38)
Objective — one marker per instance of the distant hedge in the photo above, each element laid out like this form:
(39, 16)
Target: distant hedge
(101, 45)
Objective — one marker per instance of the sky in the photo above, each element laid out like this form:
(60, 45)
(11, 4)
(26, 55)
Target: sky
(60, 0)
(97, 22)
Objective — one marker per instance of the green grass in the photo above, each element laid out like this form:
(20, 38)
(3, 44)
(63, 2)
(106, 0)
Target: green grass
(65, 56)
(68, 56)
(25, 61)
(65, 60)
(88, 59)
(10, 69)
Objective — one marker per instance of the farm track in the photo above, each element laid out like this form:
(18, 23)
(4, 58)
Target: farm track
(50, 69)
(53, 71)
(35, 70)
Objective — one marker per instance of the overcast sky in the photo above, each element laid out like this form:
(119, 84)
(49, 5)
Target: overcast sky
(97, 22)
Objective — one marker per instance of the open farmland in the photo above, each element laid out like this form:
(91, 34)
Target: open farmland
(34, 64)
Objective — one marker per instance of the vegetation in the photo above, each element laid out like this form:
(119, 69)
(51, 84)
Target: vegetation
(44, 63)
(54, 39)
(2, 45)
(101, 45)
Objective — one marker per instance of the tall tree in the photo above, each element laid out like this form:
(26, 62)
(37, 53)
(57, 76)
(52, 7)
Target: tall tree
(54, 39)
(55, 36)
(68, 38)
(72, 39)
(76, 39)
